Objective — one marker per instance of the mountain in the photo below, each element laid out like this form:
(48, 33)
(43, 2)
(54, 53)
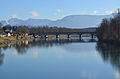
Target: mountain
(3, 22)
(29, 22)
(79, 21)
(15, 21)
(72, 21)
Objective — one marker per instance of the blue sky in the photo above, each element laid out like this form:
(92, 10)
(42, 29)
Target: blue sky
(55, 9)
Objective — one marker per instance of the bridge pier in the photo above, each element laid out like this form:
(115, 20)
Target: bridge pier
(57, 36)
(80, 36)
(92, 35)
(68, 36)
(34, 35)
(45, 36)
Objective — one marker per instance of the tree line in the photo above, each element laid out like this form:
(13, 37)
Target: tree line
(109, 29)
(39, 29)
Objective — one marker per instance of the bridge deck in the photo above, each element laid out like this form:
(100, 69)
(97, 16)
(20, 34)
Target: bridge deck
(64, 33)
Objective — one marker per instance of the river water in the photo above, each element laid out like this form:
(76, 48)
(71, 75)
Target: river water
(60, 59)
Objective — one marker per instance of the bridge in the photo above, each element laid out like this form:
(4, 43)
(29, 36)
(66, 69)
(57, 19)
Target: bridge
(92, 33)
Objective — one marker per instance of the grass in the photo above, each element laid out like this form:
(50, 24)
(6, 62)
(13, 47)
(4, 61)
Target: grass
(12, 40)
(5, 39)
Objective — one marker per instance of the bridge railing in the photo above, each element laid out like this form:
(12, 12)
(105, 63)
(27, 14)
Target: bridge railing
(63, 33)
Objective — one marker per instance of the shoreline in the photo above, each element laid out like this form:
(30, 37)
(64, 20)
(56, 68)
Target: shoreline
(112, 42)
(4, 41)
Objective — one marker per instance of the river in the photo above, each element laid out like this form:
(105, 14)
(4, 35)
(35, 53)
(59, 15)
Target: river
(60, 59)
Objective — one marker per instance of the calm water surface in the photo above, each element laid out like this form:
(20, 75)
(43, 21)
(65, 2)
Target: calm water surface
(60, 59)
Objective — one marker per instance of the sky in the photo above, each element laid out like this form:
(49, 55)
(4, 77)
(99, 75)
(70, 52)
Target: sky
(55, 9)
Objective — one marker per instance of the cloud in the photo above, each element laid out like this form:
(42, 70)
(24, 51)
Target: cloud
(58, 13)
(14, 52)
(34, 13)
(13, 16)
(109, 12)
(34, 53)
(117, 75)
(89, 13)
(95, 12)
(88, 74)
(59, 10)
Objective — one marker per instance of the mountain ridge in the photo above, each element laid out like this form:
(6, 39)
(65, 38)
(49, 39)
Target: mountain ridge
(71, 21)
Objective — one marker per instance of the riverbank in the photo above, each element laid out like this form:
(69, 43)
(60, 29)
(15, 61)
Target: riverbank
(12, 39)
(111, 42)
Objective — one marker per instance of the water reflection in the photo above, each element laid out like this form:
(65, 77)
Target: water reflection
(88, 75)
(21, 47)
(110, 53)
(63, 58)
(1, 57)
(52, 42)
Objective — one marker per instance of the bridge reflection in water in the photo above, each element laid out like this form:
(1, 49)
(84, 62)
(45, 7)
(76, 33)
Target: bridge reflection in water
(61, 41)
(108, 52)
(22, 46)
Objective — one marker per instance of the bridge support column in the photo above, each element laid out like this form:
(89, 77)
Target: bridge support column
(57, 36)
(92, 35)
(68, 36)
(45, 36)
(34, 35)
(80, 36)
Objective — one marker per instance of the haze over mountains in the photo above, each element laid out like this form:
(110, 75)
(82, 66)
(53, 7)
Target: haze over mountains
(72, 21)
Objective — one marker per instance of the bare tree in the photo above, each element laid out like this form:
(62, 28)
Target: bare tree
(109, 29)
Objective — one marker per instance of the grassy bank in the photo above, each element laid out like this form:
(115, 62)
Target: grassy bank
(13, 39)
(6, 39)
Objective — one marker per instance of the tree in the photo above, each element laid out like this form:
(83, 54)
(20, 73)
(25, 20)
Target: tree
(117, 13)
(7, 29)
(109, 29)
(0, 24)
(1, 30)
(22, 30)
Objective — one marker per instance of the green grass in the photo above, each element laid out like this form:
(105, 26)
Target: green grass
(13, 38)
(6, 39)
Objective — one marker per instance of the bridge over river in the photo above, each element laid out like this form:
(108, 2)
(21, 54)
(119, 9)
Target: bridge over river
(64, 33)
